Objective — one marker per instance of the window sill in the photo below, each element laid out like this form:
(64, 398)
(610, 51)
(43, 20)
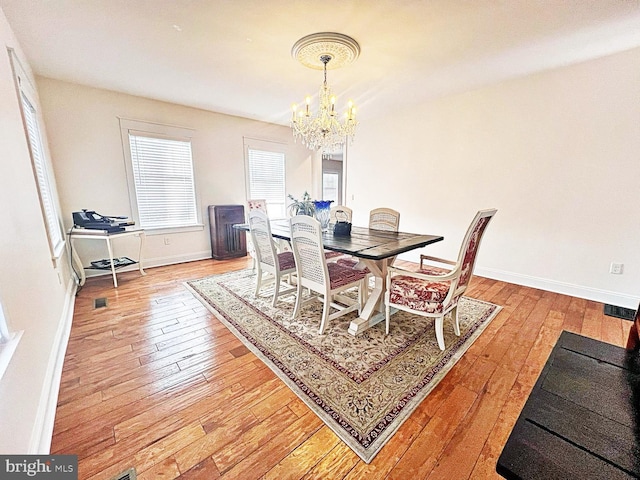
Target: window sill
(7, 350)
(165, 230)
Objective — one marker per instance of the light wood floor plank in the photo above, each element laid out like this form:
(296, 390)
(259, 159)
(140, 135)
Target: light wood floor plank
(155, 381)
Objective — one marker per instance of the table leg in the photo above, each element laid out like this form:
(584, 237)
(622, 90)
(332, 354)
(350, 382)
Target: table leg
(142, 239)
(373, 311)
(76, 259)
(113, 268)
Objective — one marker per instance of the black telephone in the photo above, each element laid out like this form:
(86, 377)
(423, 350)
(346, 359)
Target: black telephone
(92, 220)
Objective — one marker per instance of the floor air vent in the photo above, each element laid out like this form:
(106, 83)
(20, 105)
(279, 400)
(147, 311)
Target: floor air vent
(619, 312)
(128, 475)
(99, 302)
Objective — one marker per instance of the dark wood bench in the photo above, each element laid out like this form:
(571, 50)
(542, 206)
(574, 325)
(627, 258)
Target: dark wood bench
(582, 418)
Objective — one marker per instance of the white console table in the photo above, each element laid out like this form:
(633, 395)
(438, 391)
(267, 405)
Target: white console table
(88, 234)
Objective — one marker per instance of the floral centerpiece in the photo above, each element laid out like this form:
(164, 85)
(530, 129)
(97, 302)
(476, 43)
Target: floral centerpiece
(318, 208)
(302, 207)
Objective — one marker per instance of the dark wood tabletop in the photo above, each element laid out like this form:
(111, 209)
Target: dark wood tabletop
(582, 418)
(363, 242)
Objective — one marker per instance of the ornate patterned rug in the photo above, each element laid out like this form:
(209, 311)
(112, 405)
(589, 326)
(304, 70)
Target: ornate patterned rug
(362, 387)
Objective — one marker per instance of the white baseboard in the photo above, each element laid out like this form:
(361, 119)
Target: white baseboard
(156, 262)
(580, 291)
(172, 260)
(42, 432)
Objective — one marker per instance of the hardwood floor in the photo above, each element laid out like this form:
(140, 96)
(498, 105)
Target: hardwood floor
(155, 381)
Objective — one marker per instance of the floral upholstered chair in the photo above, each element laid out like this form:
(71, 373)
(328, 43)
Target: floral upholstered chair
(435, 291)
(268, 260)
(314, 273)
(254, 205)
(281, 246)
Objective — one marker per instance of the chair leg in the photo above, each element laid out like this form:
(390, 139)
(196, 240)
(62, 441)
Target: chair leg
(440, 331)
(456, 322)
(258, 281)
(296, 309)
(325, 312)
(386, 317)
(276, 290)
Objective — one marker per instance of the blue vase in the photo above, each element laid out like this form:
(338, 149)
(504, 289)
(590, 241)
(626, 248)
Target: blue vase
(322, 214)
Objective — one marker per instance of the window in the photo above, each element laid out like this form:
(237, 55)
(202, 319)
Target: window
(38, 159)
(266, 175)
(160, 170)
(330, 186)
(332, 179)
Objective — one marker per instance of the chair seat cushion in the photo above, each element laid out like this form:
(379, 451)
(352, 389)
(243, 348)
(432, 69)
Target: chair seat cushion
(418, 294)
(287, 262)
(351, 262)
(340, 275)
(331, 254)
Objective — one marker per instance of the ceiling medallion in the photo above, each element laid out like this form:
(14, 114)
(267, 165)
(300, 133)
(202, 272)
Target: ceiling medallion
(342, 49)
(324, 51)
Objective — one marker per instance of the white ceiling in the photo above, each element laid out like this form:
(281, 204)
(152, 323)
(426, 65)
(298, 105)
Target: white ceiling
(235, 56)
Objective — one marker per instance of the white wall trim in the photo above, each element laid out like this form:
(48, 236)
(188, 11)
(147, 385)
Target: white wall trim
(157, 262)
(595, 294)
(42, 432)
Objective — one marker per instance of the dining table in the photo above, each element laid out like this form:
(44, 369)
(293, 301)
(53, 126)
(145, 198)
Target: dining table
(374, 249)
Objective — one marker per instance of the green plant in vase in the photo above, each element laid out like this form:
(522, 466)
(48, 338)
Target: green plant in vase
(302, 207)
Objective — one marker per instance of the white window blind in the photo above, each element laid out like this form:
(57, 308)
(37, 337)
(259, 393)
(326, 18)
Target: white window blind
(50, 214)
(266, 179)
(164, 182)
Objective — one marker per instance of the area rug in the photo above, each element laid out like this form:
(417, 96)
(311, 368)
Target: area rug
(362, 387)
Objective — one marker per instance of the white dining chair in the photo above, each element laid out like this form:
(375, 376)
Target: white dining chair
(384, 219)
(316, 274)
(340, 213)
(268, 260)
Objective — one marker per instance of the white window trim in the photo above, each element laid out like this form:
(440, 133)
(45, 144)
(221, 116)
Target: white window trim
(45, 186)
(160, 130)
(269, 146)
(8, 343)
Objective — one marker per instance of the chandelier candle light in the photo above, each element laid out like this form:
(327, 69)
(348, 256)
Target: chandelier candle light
(324, 130)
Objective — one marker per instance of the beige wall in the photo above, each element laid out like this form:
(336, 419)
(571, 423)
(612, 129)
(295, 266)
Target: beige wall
(555, 152)
(88, 160)
(35, 293)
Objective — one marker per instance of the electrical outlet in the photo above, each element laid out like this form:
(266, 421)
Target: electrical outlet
(167, 241)
(616, 268)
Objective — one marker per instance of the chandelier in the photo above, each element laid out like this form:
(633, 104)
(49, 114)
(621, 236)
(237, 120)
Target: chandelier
(325, 130)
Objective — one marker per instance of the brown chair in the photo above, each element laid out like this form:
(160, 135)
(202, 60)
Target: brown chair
(436, 292)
